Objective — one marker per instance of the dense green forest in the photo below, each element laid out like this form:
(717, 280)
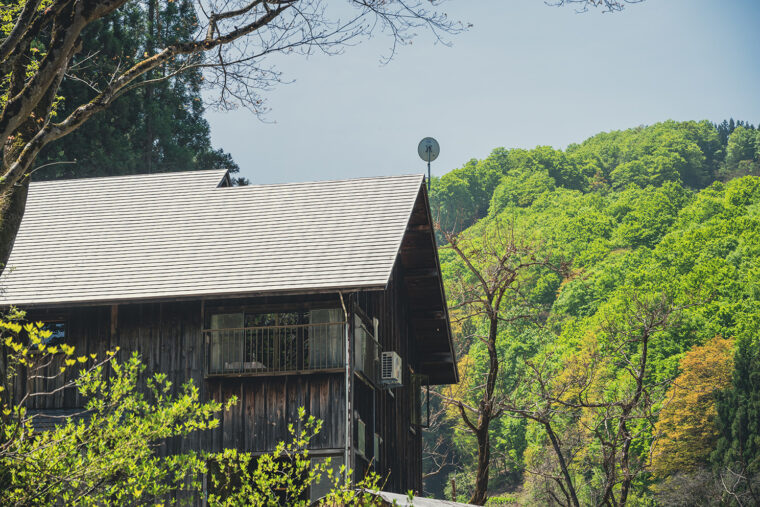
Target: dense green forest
(649, 240)
(158, 126)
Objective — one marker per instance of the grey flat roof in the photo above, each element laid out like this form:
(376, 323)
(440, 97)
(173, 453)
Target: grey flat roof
(415, 501)
(179, 235)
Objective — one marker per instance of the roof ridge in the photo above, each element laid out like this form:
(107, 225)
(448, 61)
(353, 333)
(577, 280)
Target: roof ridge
(322, 182)
(199, 172)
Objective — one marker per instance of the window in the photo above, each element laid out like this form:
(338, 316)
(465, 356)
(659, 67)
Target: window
(57, 333)
(319, 489)
(361, 438)
(420, 413)
(376, 451)
(325, 344)
(226, 352)
(276, 341)
(366, 349)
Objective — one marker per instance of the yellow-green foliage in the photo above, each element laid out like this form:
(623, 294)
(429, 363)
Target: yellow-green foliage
(686, 431)
(107, 457)
(283, 476)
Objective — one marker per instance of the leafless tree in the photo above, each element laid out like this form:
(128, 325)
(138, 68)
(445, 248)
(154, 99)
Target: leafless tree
(614, 411)
(700, 486)
(230, 43)
(739, 484)
(496, 267)
(605, 5)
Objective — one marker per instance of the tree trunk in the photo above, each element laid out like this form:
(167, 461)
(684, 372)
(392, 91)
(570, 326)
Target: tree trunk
(480, 495)
(562, 464)
(153, 13)
(12, 206)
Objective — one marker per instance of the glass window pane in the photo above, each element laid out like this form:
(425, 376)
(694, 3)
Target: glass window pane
(322, 487)
(58, 333)
(225, 345)
(325, 338)
(227, 321)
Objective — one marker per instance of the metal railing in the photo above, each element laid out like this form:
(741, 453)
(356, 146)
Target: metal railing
(275, 349)
(367, 353)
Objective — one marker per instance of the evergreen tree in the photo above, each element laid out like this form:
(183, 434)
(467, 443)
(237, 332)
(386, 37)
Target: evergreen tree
(738, 448)
(723, 132)
(157, 128)
(726, 128)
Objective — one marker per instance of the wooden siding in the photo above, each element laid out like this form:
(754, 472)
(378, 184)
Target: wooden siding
(266, 405)
(401, 450)
(169, 338)
(166, 335)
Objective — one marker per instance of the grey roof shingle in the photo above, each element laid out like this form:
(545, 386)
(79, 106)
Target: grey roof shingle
(178, 235)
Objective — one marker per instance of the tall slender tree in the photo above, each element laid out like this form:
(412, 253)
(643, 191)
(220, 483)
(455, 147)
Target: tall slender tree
(737, 454)
(489, 291)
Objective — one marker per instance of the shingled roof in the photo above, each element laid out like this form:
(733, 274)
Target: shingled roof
(180, 234)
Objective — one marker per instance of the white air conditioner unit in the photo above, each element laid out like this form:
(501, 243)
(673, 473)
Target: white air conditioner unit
(391, 370)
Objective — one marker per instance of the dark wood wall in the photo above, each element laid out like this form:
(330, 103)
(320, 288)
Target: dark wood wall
(401, 450)
(266, 405)
(167, 336)
(169, 339)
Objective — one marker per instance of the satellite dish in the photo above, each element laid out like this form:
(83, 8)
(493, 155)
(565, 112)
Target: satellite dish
(428, 149)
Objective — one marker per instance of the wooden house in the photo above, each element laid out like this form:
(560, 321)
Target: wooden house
(326, 295)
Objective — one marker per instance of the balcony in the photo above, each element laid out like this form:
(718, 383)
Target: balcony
(272, 350)
(366, 352)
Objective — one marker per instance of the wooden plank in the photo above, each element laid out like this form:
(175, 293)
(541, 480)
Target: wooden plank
(249, 419)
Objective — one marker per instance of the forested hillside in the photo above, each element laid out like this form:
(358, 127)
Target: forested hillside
(627, 344)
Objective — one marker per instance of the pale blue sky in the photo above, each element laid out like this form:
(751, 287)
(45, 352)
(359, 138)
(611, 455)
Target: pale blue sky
(524, 75)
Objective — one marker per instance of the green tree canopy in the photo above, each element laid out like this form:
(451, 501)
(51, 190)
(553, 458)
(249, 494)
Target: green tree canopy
(157, 128)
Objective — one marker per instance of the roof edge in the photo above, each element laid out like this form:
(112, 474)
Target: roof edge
(424, 193)
(406, 227)
(333, 181)
(222, 174)
(443, 288)
(195, 297)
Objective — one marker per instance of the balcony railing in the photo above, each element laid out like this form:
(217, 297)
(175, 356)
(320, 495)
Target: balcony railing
(276, 349)
(366, 353)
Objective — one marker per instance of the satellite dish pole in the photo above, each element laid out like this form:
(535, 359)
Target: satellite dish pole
(428, 150)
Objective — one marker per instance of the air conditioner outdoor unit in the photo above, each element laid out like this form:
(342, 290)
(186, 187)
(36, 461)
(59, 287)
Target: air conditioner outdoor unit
(391, 371)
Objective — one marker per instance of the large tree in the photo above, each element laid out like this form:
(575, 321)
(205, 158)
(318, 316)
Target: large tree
(42, 42)
(737, 453)
(157, 128)
(489, 292)
(686, 431)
